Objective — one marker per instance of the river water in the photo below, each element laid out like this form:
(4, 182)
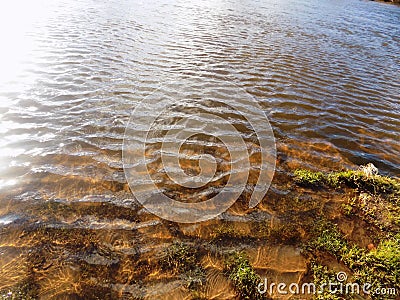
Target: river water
(325, 73)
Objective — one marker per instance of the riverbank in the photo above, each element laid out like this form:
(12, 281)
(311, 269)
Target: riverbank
(346, 221)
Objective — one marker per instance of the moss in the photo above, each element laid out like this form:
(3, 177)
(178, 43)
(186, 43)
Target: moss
(224, 231)
(329, 238)
(228, 234)
(374, 183)
(179, 258)
(387, 255)
(182, 259)
(243, 276)
(195, 279)
(375, 210)
(347, 209)
(309, 178)
(380, 267)
(286, 233)
(322, 277)
(377, 201)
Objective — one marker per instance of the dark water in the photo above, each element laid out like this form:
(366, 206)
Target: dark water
(326, 73)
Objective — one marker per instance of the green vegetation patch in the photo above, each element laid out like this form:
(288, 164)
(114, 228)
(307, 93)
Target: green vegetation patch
(183, 259)
(375, 210)
(322, 278)
(309, 178)
(287, 233)
(226, 232)
(360, 179)
(377, 201)
(379, 267)
(243, 276)
(179, 257)
(372, 183)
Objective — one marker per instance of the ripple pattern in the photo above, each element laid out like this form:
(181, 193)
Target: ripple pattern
(326, 73)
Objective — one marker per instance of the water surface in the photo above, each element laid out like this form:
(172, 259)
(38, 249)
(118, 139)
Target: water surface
(326, 73)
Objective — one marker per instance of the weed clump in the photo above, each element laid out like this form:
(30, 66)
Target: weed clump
(377, 201)
(243, 276)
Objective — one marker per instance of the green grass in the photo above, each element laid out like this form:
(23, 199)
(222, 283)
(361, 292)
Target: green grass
(379, 267)
(376, 184)
(243, 276)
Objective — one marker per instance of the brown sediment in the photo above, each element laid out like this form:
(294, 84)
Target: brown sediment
(117, 249)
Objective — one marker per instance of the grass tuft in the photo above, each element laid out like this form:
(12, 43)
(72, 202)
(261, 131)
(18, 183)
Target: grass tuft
(244, 278)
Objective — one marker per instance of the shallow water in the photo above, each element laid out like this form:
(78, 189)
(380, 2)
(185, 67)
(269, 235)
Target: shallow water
(325, 73)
